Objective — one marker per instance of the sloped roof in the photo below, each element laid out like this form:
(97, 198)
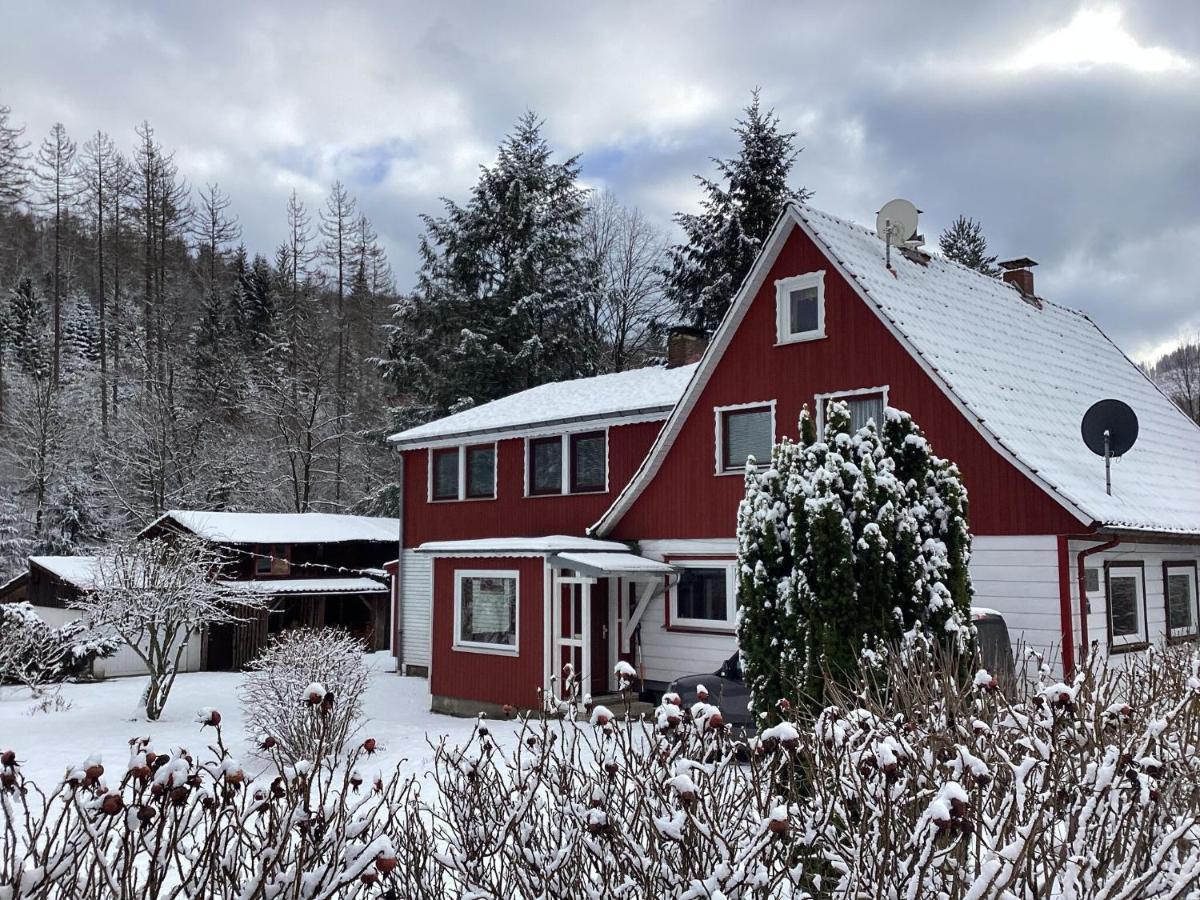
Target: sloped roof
(281, 528)
(1023, 374)
(77, 571)
(652, 391)
(274, 586)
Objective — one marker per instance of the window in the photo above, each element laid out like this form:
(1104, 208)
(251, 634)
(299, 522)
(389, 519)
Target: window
(1126, 606)
(485, 611)
(704, 596)
(588, 464)
(800, 308)
(481, 471)
(864, 404)
(463, 473)
(545, 466)
(1179, 587)
(445, 474)
(569, 463)
(272, 559)
(742, 432)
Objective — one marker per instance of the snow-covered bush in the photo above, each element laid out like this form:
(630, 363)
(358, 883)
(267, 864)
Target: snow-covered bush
(304, 692)
(35, 653)
(847, 539)
(916, 784)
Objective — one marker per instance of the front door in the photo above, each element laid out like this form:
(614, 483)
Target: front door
(599, 663)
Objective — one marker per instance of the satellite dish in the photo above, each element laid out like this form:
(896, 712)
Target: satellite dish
(1109, 428)
(897, 222)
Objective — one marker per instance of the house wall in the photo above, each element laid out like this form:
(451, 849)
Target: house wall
(416, 600)
(1153, 555)
(511, 513)
(480, 677)
(687, 500)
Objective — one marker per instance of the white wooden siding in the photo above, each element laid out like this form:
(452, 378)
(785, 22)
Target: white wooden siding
(416, 601)
(1153, 555)
(1017, 575)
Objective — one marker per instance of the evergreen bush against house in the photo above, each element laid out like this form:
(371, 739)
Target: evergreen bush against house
(847, 544)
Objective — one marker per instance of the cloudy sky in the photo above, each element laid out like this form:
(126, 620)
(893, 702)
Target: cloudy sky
(1072, 131)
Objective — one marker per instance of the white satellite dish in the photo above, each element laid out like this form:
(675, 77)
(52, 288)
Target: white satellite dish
(896, 223)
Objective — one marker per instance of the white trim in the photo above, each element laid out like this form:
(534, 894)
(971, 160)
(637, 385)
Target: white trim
(730, 622)
(649, 589)
(567, 464)
(719, 446)
(1137, 575)
(783, 291)
(462, 472)
(478, 646)
(689, 547)
(789, 218)
(1189, 570)
(821, 400)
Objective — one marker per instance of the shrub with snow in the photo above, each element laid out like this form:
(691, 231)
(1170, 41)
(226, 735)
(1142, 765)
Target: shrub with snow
(846, 540)
(304, 692)
(35, 653)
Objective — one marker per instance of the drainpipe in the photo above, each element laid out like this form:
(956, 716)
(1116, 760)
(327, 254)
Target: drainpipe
(398, 606)
(1081, 576)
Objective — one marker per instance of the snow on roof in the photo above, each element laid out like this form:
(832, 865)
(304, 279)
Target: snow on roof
(308, 586)
(552, 544)
(1028, 374)
(78, 571)
(649, 391)
(613, 563)
(282, 528)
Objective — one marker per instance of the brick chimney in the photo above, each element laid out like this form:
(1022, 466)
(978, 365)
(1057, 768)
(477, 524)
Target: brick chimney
(1018, 272)
(685, 345)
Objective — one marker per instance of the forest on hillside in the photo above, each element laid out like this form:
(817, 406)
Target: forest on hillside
(149, 360)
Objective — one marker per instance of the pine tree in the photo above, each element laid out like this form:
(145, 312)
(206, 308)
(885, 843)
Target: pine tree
(846, 544)
(99, 165)
(501, 302)
(964, 243)
(56, 174)
(738, 210)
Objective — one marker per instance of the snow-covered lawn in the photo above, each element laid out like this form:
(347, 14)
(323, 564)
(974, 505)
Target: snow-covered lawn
(101, 720)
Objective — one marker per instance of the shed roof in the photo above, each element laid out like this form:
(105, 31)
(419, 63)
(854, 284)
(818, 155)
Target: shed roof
(280, 528)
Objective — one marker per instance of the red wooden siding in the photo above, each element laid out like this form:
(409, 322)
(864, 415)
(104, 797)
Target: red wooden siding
(686, 500)
(489, 677)
(512, 514)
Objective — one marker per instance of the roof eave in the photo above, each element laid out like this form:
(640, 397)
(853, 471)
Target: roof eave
(417, 443)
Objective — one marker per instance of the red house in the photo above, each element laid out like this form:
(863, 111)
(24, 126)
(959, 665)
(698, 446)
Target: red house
(594, 520)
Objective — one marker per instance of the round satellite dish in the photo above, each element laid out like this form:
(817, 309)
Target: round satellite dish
(1114, 417)
(899, 217)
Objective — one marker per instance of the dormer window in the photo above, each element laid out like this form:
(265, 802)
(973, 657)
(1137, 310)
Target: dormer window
(800, 308)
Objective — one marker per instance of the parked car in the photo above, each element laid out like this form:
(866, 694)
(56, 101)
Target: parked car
(727, 689)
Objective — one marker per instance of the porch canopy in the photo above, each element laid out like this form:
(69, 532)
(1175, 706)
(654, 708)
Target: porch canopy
(604, 565)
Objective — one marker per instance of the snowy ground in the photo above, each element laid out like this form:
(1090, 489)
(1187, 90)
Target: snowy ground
(101, 720)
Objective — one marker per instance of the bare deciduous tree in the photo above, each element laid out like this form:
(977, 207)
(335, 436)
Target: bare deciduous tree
(156, 596)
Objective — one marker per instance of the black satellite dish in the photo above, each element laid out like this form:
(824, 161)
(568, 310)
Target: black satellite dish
(1109, 428)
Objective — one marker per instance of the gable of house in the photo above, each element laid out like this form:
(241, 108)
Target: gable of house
(678, 493)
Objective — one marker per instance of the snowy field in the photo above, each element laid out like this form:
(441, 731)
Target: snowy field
(101, 720)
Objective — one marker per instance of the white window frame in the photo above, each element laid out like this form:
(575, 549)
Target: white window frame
(462, 472)
(1137, 573)
(1181, 568)
(822, 400)
(729, 624)
(565, 444)
(719, 434)
(460, 575)
(783, 290)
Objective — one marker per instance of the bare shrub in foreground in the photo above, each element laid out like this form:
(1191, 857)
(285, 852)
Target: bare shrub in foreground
(304, 692)
(915, 785)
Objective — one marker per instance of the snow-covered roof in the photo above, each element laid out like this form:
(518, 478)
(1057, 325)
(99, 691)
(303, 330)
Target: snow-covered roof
(1024, 373)
(281, 528)
(78, 571)
(612, 563)
(308, 586)
(650, 392)
(555, 543)
(1028, 373)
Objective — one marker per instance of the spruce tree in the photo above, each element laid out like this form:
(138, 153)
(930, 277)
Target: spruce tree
(964, 243)
(738, 210)
(502, 295)
(846, 543)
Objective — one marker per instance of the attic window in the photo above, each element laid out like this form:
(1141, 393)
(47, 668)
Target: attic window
(800, 308)
(744, 431)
